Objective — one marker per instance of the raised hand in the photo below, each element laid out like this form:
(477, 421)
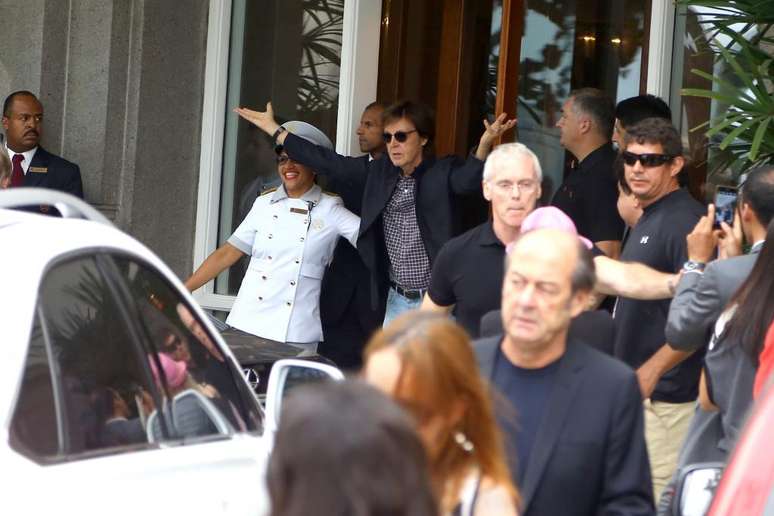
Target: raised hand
(730, 237)
(703, 239)
(498, 127)
(263, 120)
(491, 133)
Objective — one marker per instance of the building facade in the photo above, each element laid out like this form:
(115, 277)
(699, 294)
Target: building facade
(139, 92)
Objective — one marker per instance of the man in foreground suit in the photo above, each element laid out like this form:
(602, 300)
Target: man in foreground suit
(576, 442)
(32, 165)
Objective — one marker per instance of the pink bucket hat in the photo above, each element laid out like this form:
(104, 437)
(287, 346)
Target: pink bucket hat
(550, 217)
(174, 370)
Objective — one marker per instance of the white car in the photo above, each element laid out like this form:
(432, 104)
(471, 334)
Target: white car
(117, 396)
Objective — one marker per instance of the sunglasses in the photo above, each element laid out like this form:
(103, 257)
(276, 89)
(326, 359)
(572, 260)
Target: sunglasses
(282, 159)
(400, 136)
(647, 160)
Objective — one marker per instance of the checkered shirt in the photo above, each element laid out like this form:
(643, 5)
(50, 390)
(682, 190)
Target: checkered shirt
(409, 263)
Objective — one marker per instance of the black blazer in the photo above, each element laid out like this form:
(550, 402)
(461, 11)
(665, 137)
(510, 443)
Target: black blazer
(589, 455)
(50, 171)
(346, 281)
(438, 182)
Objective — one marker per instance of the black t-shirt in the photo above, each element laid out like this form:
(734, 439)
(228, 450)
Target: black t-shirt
(589, 196)
(658, 240)
(468, 273)
(528, 391)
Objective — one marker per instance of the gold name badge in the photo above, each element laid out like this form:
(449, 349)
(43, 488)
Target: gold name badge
(299, 210)
(38, 170)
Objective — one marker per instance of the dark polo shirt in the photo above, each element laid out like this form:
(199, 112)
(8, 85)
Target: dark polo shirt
(658, 240)
(468, 273)
(589, 195)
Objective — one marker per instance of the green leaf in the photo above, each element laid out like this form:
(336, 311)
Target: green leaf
(730, 137)
(715, 129)
(758, 139)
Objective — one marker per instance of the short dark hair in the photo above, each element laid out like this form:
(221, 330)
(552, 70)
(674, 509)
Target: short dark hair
(597, 105)
(655, 131)
(354, 460)
(636, 109)
(758, 192)
(419, 114)
(584, 276)
(375, 104)
(10, 98)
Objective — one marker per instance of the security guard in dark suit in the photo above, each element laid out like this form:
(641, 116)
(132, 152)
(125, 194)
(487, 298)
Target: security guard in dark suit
(345, 300)
(32, 165)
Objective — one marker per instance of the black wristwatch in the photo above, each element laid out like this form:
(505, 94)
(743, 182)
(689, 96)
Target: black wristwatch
(692, 265)
(278, 132)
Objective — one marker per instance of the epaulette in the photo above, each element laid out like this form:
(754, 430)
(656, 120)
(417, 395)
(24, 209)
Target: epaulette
(332, 194)
(270, 190)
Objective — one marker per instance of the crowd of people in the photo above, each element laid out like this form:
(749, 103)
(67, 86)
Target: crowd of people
(563, 359)
(594, 386)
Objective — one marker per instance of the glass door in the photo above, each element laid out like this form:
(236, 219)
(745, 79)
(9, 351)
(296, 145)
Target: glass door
(564, 45)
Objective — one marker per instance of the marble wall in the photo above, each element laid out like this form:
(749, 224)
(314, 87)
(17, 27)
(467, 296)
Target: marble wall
(121, 82)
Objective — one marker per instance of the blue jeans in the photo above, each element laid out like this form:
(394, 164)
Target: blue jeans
(397, 304)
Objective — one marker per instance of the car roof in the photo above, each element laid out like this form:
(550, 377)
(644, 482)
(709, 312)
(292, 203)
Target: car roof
(29, 243)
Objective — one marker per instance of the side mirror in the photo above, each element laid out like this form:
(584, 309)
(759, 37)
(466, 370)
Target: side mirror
(696, 487)
(286, 375)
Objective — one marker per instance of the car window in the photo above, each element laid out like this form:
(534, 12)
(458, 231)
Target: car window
(34, 429)
(188, 356)
(86, 388)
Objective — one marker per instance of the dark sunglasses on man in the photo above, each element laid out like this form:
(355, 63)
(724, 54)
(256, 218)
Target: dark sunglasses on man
(400, 136)
(647, 160)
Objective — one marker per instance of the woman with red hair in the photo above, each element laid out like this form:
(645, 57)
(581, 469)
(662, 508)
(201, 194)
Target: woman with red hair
(426, 363)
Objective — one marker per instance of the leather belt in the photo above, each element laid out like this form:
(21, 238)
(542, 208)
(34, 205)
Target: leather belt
(412, 294)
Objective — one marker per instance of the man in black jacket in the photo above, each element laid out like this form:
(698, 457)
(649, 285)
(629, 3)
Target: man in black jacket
(573, 423)
(345, 299)
(32, 165)
(409, 198)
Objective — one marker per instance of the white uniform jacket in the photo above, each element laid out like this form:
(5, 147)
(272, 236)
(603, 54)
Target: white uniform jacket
(290, 242)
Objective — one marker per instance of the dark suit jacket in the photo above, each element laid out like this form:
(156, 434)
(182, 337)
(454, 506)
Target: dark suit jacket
(345, 291)
(438, 182)
(589, 455)
(50, 171)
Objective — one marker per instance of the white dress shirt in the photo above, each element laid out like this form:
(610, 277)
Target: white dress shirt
(28, 155)
(290, 242)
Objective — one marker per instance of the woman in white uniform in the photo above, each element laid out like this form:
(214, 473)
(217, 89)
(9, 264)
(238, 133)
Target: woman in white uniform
(290, 234)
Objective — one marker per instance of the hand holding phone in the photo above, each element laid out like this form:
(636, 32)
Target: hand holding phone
(725, 205)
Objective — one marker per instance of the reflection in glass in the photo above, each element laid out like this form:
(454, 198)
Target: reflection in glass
(288, 52)
(692, 51)
(571, 44)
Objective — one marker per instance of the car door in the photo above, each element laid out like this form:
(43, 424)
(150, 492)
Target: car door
(128, 404)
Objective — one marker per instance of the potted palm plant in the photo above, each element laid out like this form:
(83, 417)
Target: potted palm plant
(739, 34)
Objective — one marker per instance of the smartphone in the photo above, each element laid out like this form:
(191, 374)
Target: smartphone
(725, 205)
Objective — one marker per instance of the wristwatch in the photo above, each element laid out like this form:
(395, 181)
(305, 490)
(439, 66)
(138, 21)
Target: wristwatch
(278, 132)
(694, 266)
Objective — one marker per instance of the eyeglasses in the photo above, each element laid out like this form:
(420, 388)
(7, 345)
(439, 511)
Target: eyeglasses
(400, 136)
(506, 187)
(647, 160)
(282, 160)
